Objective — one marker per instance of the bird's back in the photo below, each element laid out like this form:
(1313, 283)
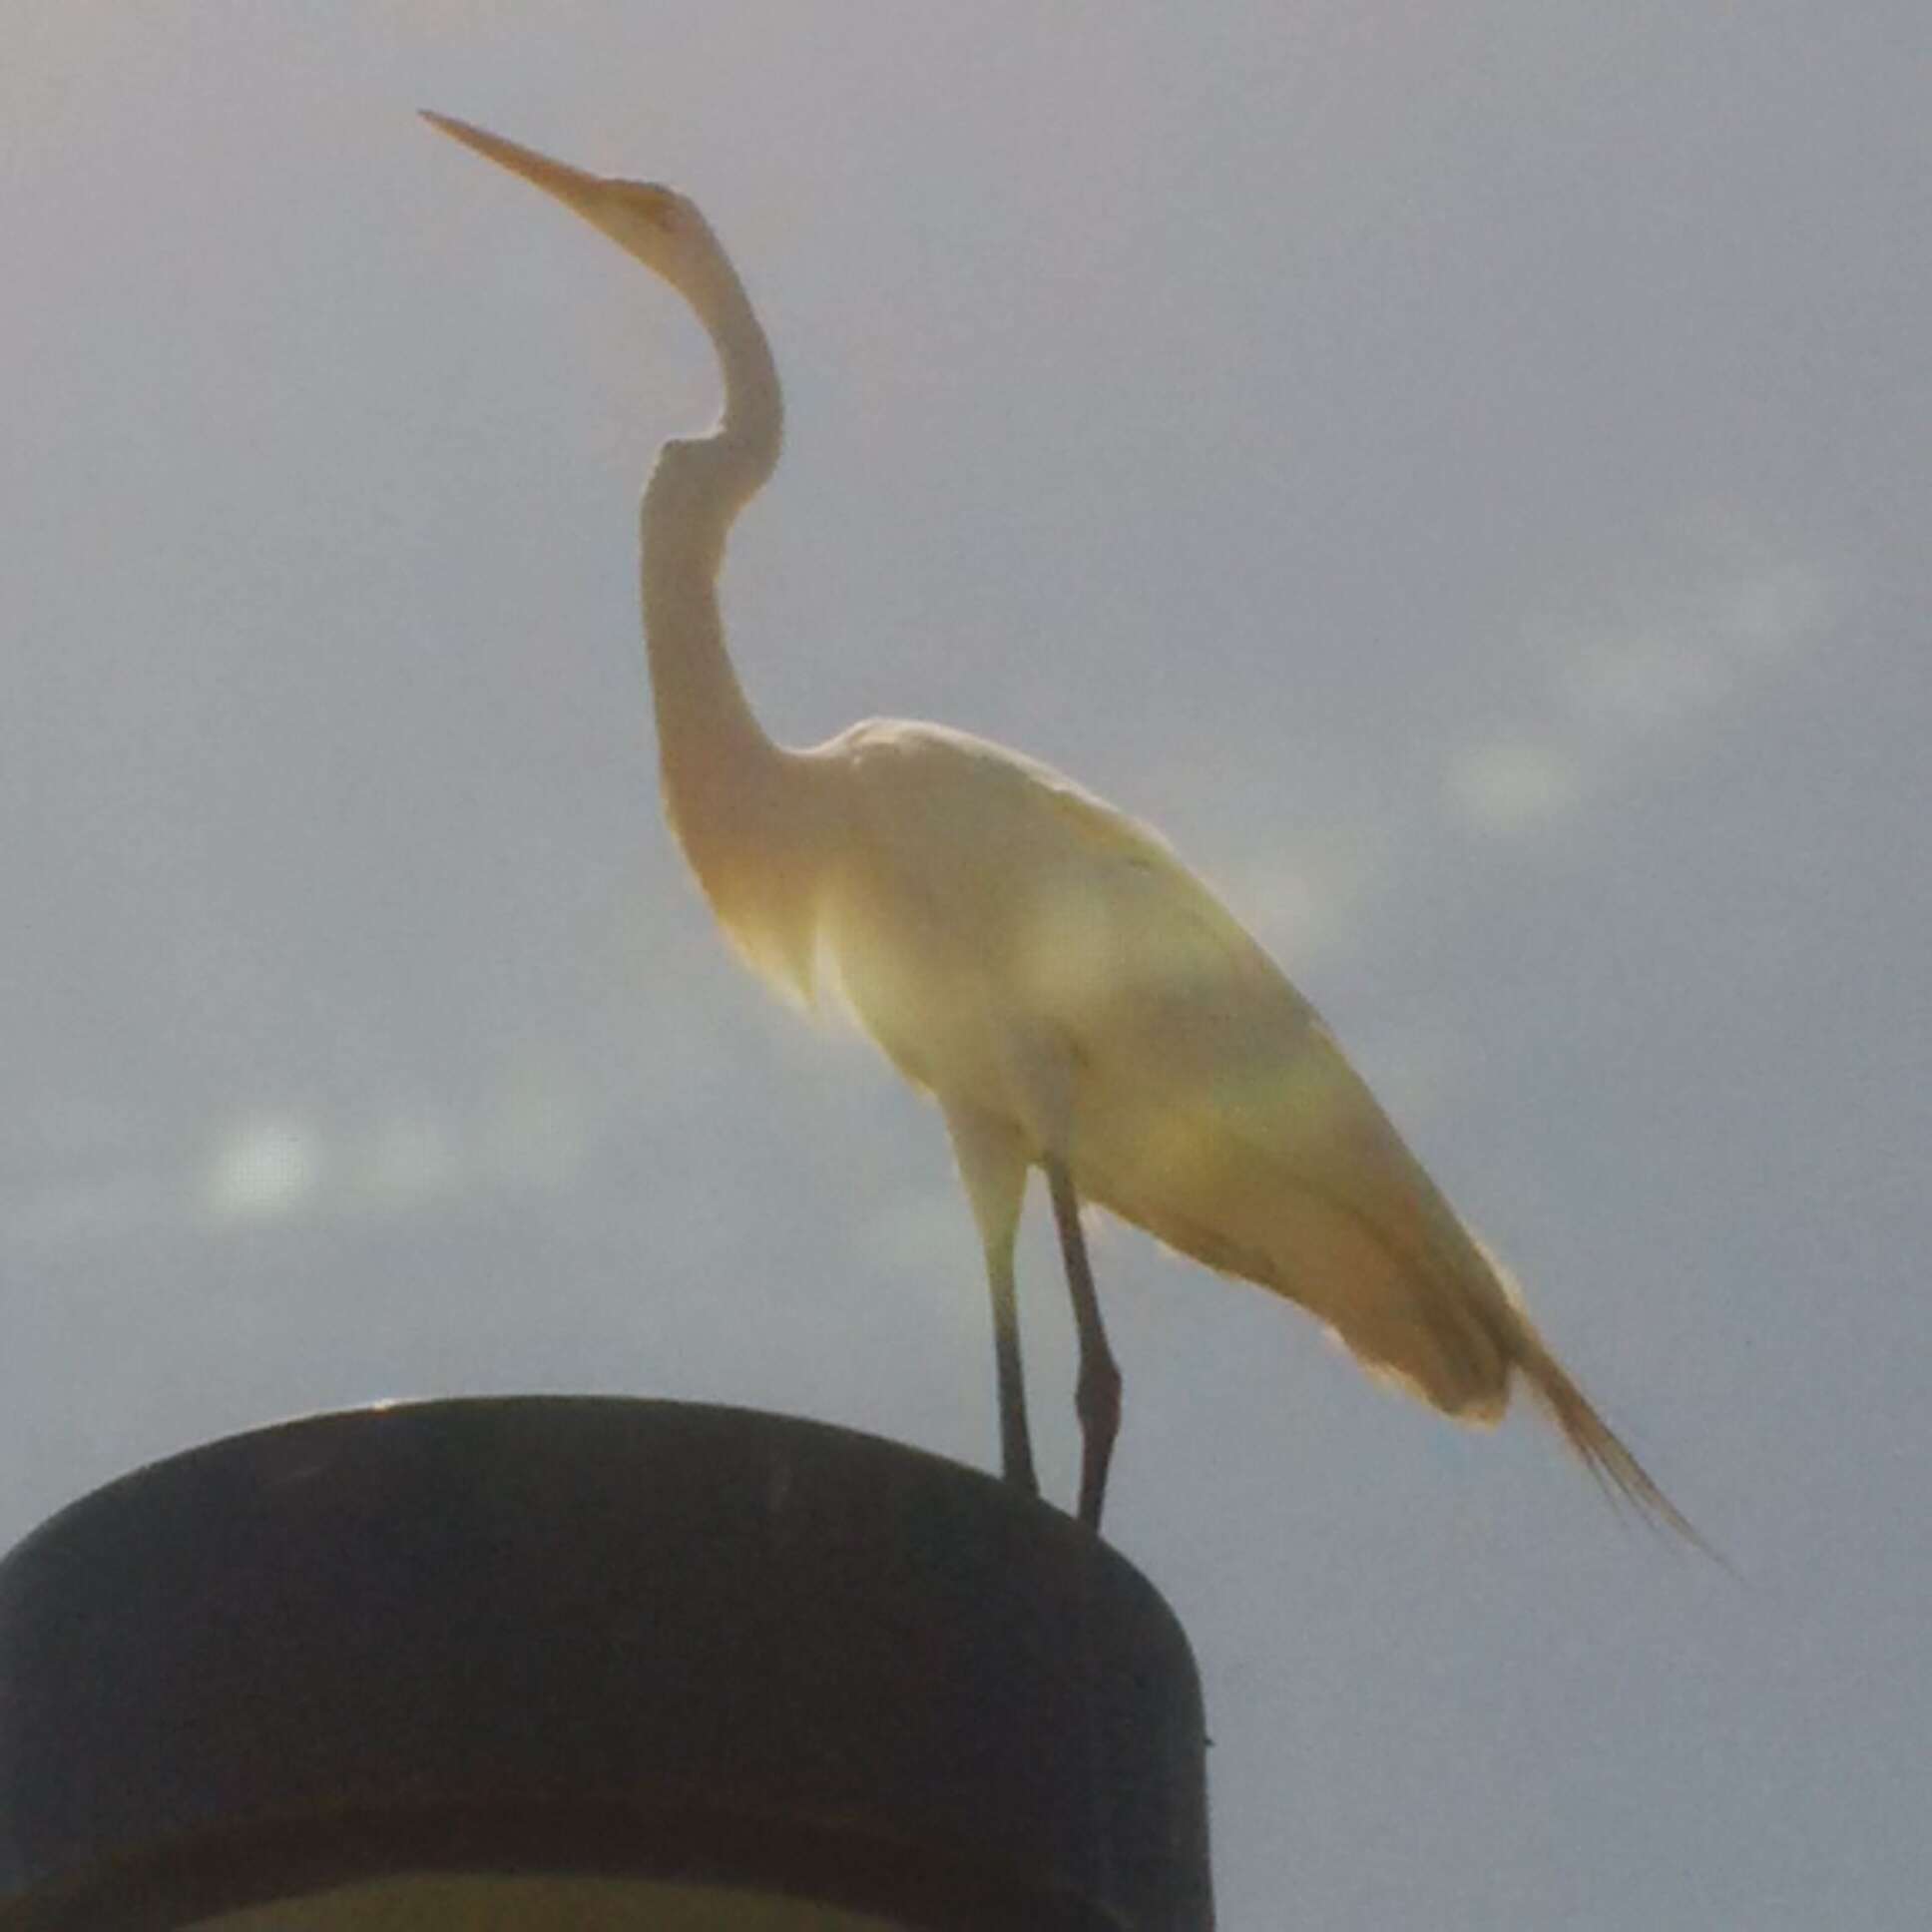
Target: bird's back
(990, 912)
(1215, 1109)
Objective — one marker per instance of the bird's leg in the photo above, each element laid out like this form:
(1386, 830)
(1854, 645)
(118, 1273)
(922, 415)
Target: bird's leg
(993, 1165)
(1097, 1394)
(1016, 1443)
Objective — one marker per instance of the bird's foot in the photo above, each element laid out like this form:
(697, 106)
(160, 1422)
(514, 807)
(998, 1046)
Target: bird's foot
(1097, 1402)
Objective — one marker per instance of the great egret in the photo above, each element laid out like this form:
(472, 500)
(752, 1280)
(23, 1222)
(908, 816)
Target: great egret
(1045, 967)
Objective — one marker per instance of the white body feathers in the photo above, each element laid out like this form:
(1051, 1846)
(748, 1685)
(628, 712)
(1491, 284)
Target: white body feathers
(1041, 964)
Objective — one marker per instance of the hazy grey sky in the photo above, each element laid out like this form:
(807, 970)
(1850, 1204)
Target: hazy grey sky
(1460, 470)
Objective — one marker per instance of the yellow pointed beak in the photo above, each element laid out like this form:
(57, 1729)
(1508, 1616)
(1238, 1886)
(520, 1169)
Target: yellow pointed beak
(577, 189)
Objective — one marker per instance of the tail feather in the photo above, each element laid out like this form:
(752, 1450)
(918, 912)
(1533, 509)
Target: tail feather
(1619, 1474)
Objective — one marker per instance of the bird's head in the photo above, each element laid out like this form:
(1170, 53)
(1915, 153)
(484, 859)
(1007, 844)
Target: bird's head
(659, 225)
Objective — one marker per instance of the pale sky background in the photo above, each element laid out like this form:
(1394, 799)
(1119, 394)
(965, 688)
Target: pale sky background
(1460, 470)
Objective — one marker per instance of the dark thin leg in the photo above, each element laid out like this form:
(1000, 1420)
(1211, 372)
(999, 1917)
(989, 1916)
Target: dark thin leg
(1016, 1445)
(993, 1165)
(1097, 1394)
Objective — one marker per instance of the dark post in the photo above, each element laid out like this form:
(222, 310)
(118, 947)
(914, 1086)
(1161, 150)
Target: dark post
(542, 1661)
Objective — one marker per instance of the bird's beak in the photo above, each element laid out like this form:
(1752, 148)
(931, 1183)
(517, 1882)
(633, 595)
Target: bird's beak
(578, 191)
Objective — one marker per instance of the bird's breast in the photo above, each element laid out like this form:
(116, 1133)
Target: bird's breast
(964, 978)
(980, 917)
(928, 983)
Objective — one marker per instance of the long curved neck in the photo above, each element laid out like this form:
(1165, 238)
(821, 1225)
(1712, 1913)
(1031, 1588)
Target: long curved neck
(733, 797)
(694, 495)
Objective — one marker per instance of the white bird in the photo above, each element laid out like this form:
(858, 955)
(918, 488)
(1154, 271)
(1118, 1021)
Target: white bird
(1043, 965)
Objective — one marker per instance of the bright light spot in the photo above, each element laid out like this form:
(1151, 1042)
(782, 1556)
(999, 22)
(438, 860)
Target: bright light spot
(263, 1169)
(1648, 680)
(1512, 785)
(1671, 668)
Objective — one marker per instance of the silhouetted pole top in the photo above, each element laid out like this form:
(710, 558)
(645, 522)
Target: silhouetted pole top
(588, 1661)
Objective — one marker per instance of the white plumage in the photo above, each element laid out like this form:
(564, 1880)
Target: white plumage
(1044, 966)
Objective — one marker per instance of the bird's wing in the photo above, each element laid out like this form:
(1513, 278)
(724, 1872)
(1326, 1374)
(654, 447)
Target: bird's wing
(1209, 1104)
(1055, 906)
(999, 906)
(1213, 1108)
